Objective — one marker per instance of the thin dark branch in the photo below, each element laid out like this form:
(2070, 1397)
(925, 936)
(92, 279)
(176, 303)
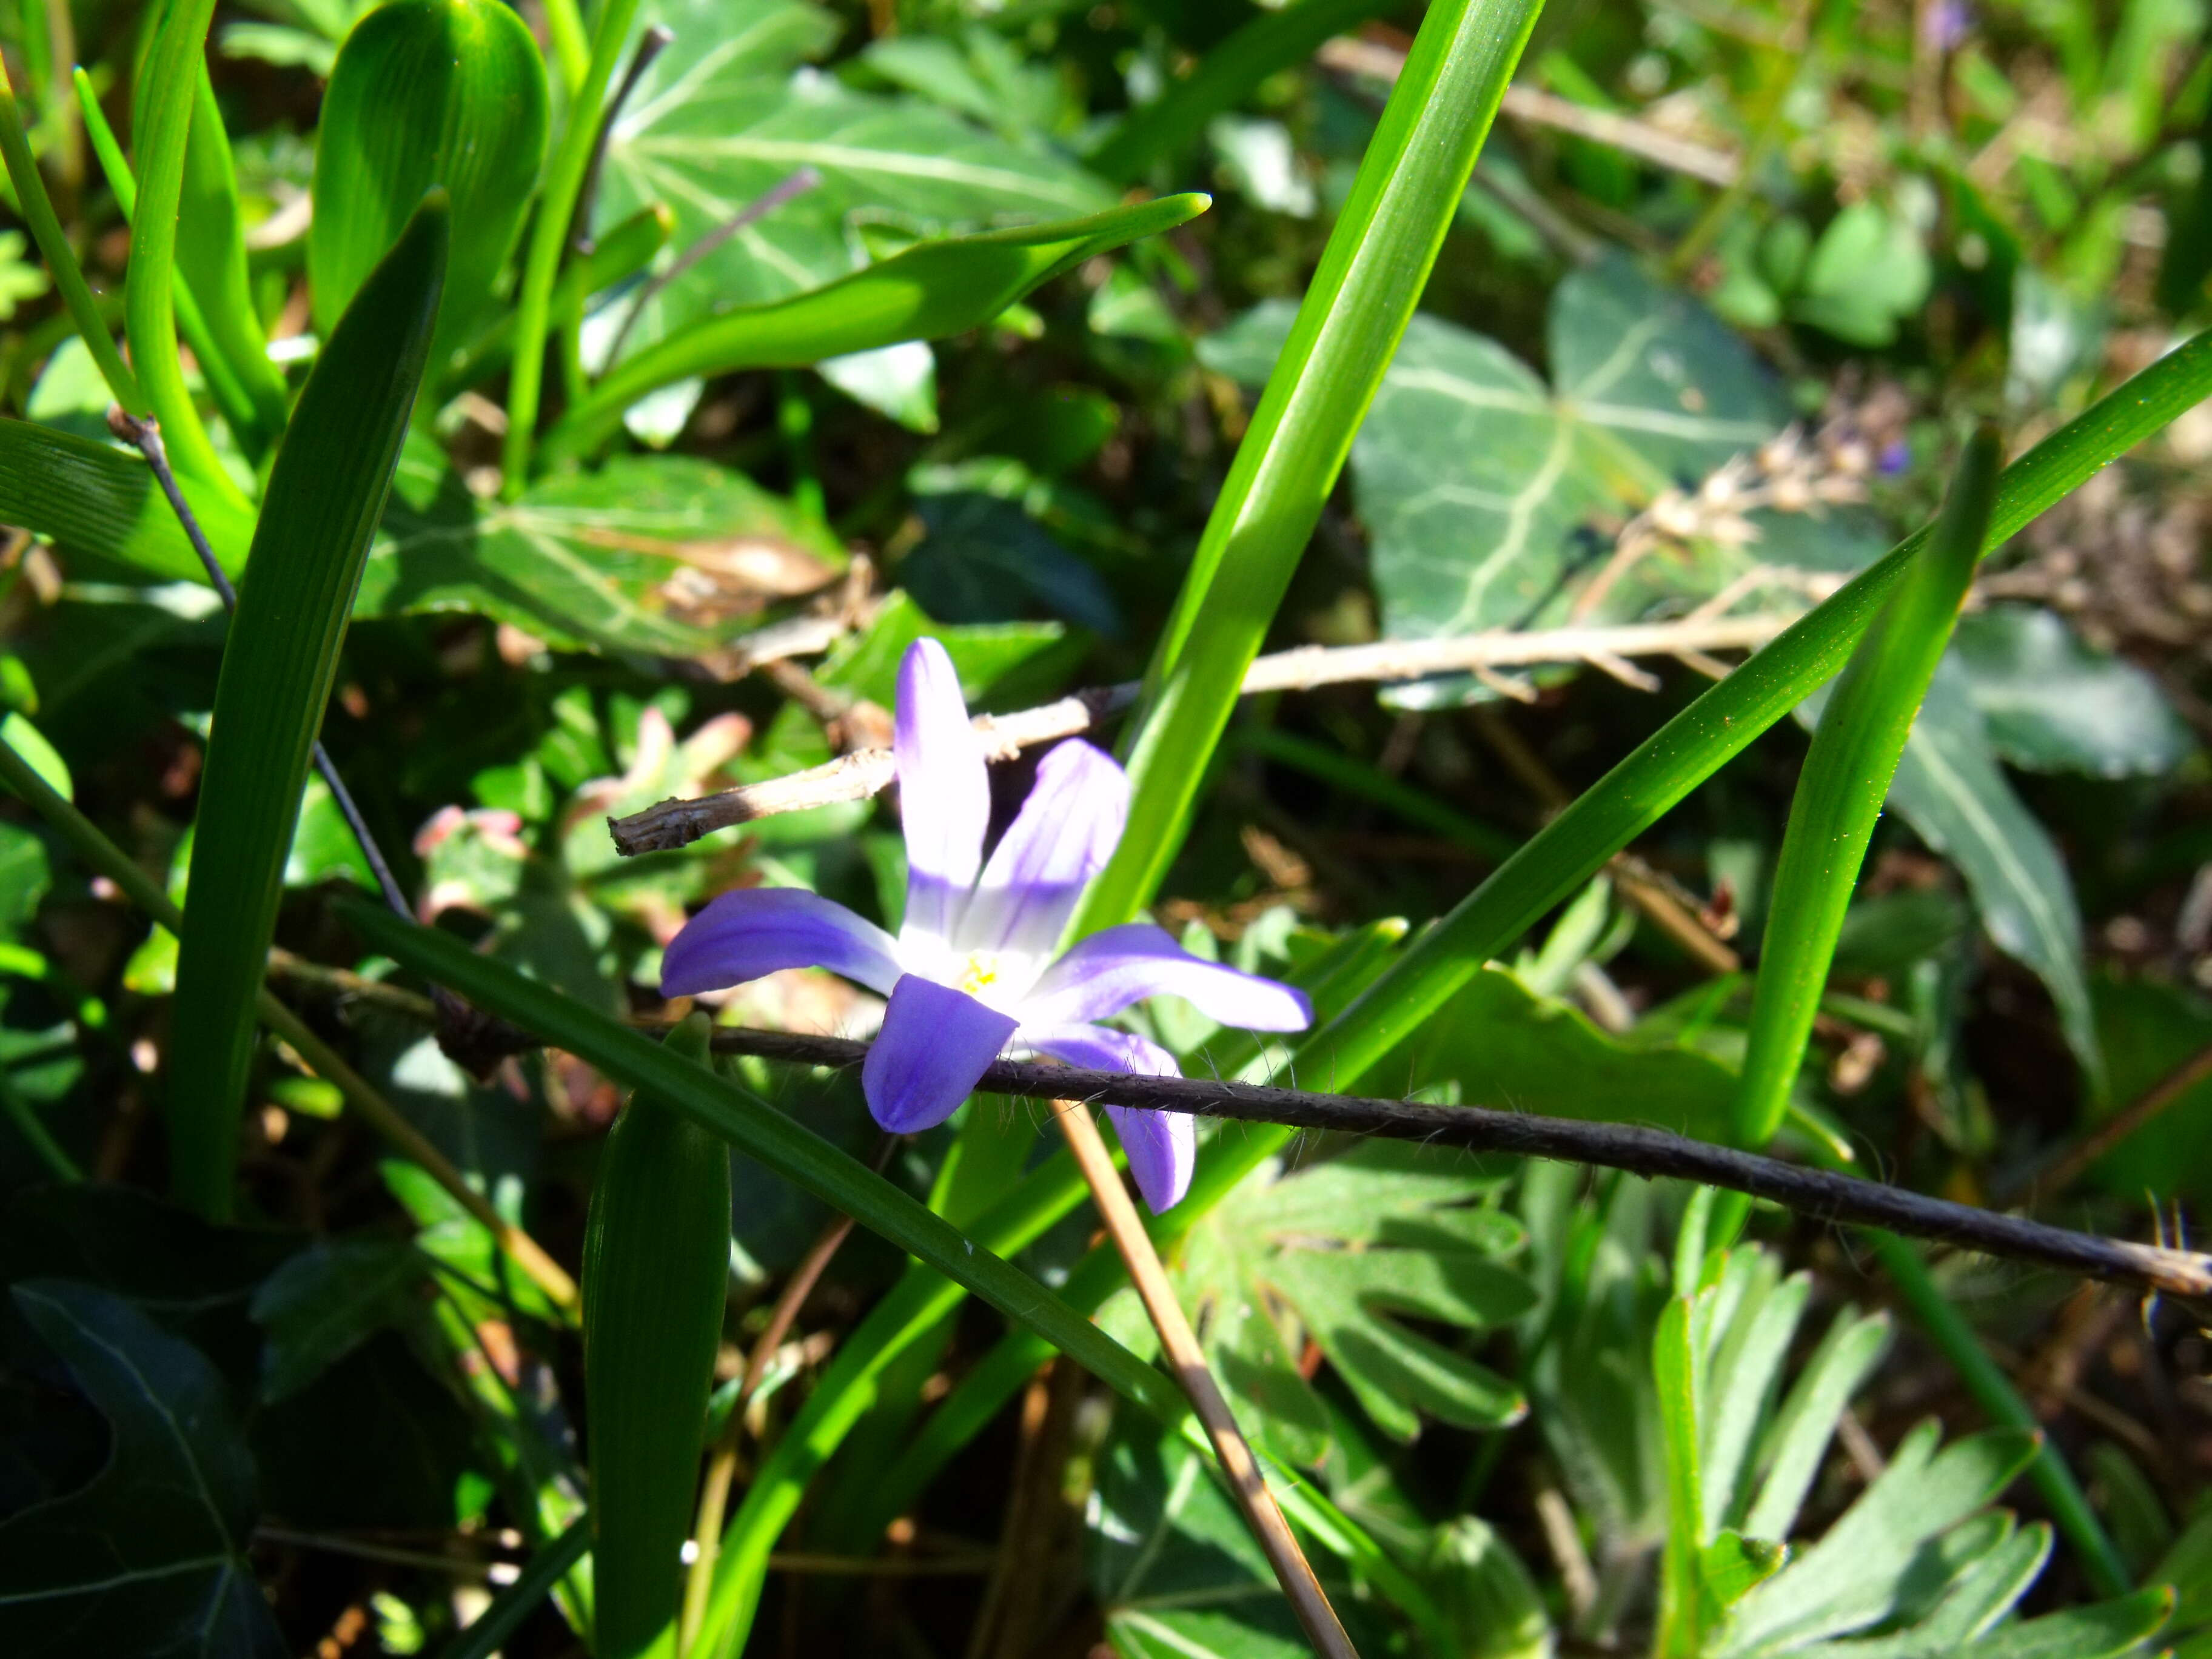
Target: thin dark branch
(1650, 1153)
(147, 437)
(654, 41)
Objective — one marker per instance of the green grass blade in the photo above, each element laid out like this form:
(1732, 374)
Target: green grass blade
(1693, 745)
(325, 494)
(211, 265)
(1994, 1392)
(229, 396)
(549, 237)
(1231, 72)
(926, 293)
(1361, 299)
(1845, 781)
(94, 498)
(60, 257)
(169, 86)
(617, 256)
(656, 1274)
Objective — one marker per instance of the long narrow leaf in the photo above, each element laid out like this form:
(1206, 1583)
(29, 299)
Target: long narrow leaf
(60, 257)
(924, 293)
(170, 89)
(325, 496)
(211, 261)
(557, 208)
(656, 1270)
(1356, 308)
(1840, 791)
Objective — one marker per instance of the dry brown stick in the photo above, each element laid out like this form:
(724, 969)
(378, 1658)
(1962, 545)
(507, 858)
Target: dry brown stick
(1647, 1152)
(2151, 1103)
(722, 1461)
(866, 772)
(1186, 1360)
(1350, 55)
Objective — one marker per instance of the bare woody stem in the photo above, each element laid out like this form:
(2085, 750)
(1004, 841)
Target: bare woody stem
(866, 772)
(1650, 1153)
(1187, 1361)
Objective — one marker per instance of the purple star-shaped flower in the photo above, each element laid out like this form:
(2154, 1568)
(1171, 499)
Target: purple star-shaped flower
(972, 973)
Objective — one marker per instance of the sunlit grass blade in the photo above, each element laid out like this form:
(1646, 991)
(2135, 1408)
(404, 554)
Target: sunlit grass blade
(1362, 297)
(1841, 789)
(1721, 723)
(325, 494)
(1228, 74)
(230, 396)
(549, 237)
(656, 1274)
(211, 263)
(926, 293)
(61, 258)
(169, 87)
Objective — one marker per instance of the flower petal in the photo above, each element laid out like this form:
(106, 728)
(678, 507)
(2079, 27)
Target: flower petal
(1065, 831)
(1163, 1146)
(935, 1044)
(1118, 967)
(945, 790)
(756, 930)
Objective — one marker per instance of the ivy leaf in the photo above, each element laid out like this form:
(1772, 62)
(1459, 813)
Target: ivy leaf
(148, 1559)
(1482, 488)
(2051, 704)
(1950, 788)
(658, 554)
(721, 119)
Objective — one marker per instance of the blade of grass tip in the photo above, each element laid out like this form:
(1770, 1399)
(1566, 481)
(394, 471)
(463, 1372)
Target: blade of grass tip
(61, 258)
(1721, 724)
(1179, 1343)
(1994, 1392)
(107, 858)
(656, 1276)
(1363, 296)
(229, 396)
(1843, 782)
(325, 496)
(544, 1570)
(171, 84)
(549, 240)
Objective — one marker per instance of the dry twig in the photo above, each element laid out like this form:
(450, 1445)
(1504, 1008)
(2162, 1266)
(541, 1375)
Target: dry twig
(1186, 1360)
(864, 772)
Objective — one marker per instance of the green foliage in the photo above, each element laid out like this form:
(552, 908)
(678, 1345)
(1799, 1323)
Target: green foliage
(325, 499)
(150, 1556)
(1863, 728)
(424, 94)
(656, 1268)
